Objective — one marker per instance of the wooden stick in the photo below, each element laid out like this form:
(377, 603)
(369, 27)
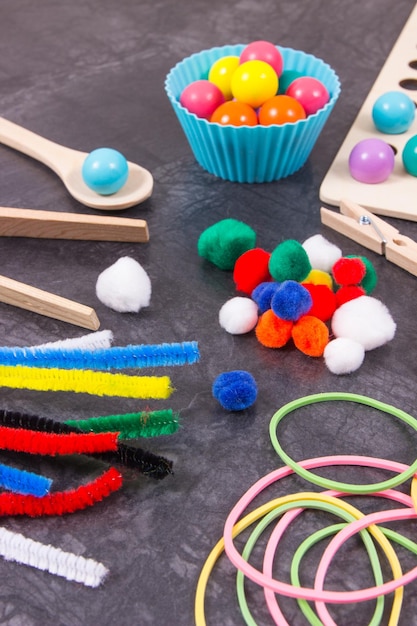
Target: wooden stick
(56, 225)
(48, 304)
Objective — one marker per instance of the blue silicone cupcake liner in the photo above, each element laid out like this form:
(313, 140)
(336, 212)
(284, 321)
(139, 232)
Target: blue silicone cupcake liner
(250, 154)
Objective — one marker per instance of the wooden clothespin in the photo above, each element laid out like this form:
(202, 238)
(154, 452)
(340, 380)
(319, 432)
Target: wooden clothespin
(359, 224)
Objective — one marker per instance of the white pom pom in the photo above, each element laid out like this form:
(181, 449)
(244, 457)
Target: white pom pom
(238, 315)
(365, 320)
(321, 253)
(343, 356)
(124, 286)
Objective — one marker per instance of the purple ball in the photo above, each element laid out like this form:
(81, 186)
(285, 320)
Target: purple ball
(371, 161)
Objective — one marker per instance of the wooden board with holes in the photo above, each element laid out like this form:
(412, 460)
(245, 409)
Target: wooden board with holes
(397, 196)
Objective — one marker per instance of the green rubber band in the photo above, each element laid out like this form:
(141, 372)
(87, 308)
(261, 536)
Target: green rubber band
(332, 484)
(322, 506)
(314, 538)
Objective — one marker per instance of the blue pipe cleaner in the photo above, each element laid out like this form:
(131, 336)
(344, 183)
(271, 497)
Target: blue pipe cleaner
(131, 356)
(26, 483)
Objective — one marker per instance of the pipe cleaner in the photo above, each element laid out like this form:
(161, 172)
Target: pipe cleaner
(21, 481)
(150, 464)
(85, 381)
(90, 341)
(62, 502)
(139, 356)
(132, 425)
(34, 442)
(20, 549)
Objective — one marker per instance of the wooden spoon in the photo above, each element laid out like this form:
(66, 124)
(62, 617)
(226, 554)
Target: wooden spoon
(67, 164)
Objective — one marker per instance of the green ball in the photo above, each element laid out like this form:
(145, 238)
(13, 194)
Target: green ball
(286, 79)
(225, 241)
(370, 279)
(289, 261)
(410, 156)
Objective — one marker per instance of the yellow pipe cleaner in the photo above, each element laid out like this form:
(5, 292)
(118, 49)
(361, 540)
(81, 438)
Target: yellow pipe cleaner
(85, 381)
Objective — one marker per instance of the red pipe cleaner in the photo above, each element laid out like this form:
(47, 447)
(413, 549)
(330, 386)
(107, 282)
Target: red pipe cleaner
(33, 442)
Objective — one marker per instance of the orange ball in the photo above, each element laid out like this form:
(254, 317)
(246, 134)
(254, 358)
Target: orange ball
(233, 113)
(281, 109)
(310, 335)
(271, 331)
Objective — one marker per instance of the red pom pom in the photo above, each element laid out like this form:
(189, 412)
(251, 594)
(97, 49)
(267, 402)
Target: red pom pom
(348, 292)
(349, 271)
(310, 335)
(324, 301)
(251, 269)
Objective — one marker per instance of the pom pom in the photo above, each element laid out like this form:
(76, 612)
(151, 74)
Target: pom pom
(251, 268)
(124, 286)
(238, 315)
(370, 279)
(225, 241)
(365, 320)
(319, 277)
(310, 335)
(271, 331)
(291, 301)
(343, 355)
(289, 261)
(349, 271)
(321, 253)
(262, 295)
(236, 390)
(324, 301)
(348, 292)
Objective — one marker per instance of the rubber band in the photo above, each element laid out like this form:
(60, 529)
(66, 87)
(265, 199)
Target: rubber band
(62, 502)
(21, 481)
(85, 381)
(332, 484)
(235, 527)
(132, 425)
(132, 356)
(33, 442)
(20, 549)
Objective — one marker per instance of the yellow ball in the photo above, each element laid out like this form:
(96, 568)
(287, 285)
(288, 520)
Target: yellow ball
(254, 82)
(221, 73)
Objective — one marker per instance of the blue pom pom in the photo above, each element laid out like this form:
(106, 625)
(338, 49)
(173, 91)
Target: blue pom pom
(291, 301)
(236, 390)
(262, 295)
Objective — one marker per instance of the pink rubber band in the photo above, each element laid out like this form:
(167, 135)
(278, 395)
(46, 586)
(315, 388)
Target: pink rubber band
(308, 593)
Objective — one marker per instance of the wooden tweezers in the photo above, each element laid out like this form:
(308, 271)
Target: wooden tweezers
(372, 232)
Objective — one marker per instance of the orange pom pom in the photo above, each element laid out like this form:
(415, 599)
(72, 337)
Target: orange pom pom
(310, 335)
(271, 331)
(251, 269)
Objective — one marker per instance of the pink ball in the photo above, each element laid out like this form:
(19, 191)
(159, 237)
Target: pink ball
(202, 98)
(310, 93)
(263, 51)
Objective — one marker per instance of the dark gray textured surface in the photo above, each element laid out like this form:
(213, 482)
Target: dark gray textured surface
(91, 73)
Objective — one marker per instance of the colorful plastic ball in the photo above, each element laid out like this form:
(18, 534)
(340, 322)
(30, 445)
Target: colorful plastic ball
(281, 110)
(289, 261)
(409, 156)
(254, 82)
(393, 112)
(105, 171)
(286, 78)
(263, 293)
(271, 331)
(291, 301)
(221, 73)
(251, 269)
(235, 113)
(263, 51)
(371, 161)
(236, 390)
(202, 98)
(310, 335)
(310, 92)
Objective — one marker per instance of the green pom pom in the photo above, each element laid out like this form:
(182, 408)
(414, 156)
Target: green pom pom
(370, 279)
(224, 242)
(289, 261)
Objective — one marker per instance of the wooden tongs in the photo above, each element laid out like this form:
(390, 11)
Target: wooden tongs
(372, 232)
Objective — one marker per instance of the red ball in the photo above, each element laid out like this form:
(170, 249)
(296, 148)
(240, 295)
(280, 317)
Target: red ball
(324, 301)
(251, 269)
(349, 271)
(310, 92)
